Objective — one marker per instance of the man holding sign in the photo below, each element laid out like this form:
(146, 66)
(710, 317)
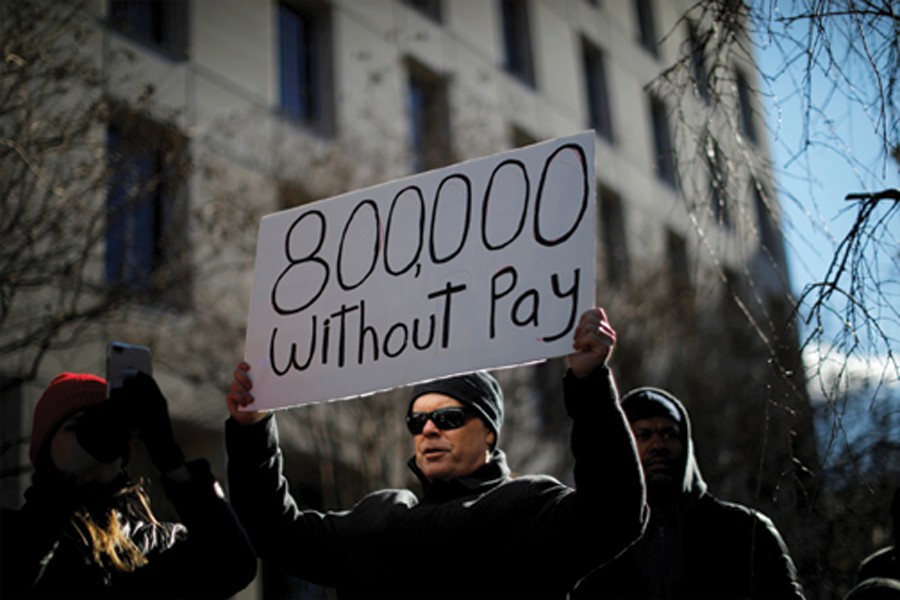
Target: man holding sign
(475, 531)
(479, 265)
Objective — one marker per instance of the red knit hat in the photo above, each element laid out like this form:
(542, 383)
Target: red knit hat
(67, 394)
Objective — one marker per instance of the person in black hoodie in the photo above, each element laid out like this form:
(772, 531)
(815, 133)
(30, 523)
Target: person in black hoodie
(86, 529)
(475, 532)
(878, 574)
(696, 545)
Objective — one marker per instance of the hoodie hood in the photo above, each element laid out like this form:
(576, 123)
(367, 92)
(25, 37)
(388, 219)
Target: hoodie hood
(645, 402)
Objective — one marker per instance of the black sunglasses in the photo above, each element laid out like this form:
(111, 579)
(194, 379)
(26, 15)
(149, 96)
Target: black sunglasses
(452, 417)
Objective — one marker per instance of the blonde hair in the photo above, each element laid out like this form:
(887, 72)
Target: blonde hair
(109, 544)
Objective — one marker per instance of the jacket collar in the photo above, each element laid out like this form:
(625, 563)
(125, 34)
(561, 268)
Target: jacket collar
(495, 472)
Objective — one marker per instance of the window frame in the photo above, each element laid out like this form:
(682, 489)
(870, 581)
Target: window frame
(746, 108)
(517, 41)
(305, 65)
(597, 90)
(432, 9)
(646, 24)
(717, 168)
(146, 244)
(613, 236)
(771, 238)
(428, 109)
(163, 25)
(664, 161)
(678, 270)
(699, 70)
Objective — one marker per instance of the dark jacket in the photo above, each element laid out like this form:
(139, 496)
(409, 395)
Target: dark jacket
(207, 554)
(884, 564)
(487, 535)
(700, 547)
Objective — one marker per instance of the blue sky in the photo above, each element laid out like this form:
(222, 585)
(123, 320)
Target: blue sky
(814, 183)
(821, 177)
(846, 157)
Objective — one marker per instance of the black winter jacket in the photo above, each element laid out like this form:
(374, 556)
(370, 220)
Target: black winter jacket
(487, 535)
(206, 555)
(702, 547)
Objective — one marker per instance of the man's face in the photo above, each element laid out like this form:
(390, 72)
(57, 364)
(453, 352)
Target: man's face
(443, 455)
(660, 449)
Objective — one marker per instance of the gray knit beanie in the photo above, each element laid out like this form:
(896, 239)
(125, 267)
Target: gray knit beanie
(478, 390)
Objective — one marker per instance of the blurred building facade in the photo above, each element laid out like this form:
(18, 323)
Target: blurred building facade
(274, 104)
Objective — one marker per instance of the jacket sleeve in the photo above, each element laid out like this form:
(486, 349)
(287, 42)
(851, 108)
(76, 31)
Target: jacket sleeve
(304, 543)
(30, 535)
(216, 559)
(774, 573)
(609, 482)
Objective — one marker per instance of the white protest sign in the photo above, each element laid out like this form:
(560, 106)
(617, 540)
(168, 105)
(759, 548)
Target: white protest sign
(484, 264)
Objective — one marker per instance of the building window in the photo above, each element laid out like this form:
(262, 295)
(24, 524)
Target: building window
(146, 208)
(613, 237)
(521, 138)
(678, 271)
(429, 8)
(597, 90)
(698, 62)
(646, 26)
(429, 115)
(160, 23)
(745, 102)
(718, 181)
(517, 40)
(305, 63)
(769, 234)
(733, 318)
(662, 142)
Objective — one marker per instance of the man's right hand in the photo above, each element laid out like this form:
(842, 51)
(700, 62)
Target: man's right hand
(239, 396)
